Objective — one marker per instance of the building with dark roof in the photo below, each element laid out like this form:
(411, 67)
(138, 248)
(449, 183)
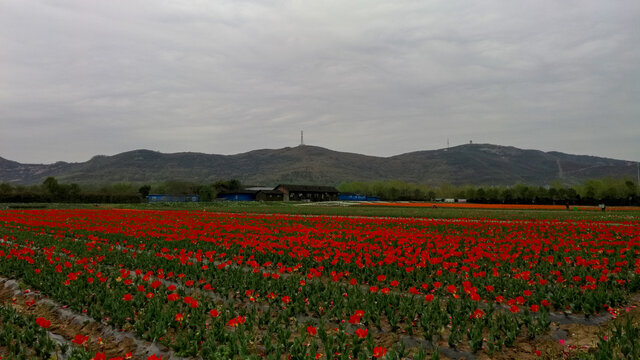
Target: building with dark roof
(269, 195)
(307, 192)
(252, 195)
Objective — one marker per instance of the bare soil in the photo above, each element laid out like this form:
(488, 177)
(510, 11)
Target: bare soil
(66, 326)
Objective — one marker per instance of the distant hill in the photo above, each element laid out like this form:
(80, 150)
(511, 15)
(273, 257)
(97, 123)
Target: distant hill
(474, 164)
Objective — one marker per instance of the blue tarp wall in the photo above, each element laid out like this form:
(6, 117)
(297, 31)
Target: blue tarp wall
(173, 198)
(237, 197)
(356, 197)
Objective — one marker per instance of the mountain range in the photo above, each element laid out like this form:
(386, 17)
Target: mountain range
(473, 164)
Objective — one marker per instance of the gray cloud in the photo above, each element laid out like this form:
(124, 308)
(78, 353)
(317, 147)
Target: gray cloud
(81, 78)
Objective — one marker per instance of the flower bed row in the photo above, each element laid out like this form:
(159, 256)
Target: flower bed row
(439, 280)
(501, 206)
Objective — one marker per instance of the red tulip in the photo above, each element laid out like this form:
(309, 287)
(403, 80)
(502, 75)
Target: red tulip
(311, 330)
(379, 351)
(42, 322)
(80, 339)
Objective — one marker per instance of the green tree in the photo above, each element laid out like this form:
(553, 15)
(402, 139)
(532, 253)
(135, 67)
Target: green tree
(177, 187)
(144, 190)
(5, 189)
(227, 185)
(631, 191)
(51, 185)
(73, 192)
(208, 193)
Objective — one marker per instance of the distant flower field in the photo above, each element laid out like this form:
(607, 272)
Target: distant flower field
(502, 206)
(210, 285)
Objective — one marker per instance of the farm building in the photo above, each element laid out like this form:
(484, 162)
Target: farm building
(252, 195)
(308, 192)
(172, 198)
(269, 195)
(258, 188)
(283, 192)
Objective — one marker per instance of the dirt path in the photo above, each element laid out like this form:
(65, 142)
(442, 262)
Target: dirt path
(66, 324)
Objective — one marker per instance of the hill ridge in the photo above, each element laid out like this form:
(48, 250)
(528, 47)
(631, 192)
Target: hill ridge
(473, 164)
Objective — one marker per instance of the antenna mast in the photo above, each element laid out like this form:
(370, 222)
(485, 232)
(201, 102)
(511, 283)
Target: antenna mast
(301, 137)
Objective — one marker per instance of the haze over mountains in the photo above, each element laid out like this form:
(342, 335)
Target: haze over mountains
(473, 164)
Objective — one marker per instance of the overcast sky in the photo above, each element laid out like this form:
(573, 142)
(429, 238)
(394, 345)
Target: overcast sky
(86, 77)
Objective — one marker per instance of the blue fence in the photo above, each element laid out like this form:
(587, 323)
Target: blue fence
(237, 197)
(356, 197)
(173, 198)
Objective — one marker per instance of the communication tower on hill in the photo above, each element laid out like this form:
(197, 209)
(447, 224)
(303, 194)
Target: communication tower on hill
(301, 137)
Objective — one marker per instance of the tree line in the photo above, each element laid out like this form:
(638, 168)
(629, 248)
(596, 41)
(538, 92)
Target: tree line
(611, 191)
(124, 193)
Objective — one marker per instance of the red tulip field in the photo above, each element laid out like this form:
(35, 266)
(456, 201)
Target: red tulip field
(117, 284)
